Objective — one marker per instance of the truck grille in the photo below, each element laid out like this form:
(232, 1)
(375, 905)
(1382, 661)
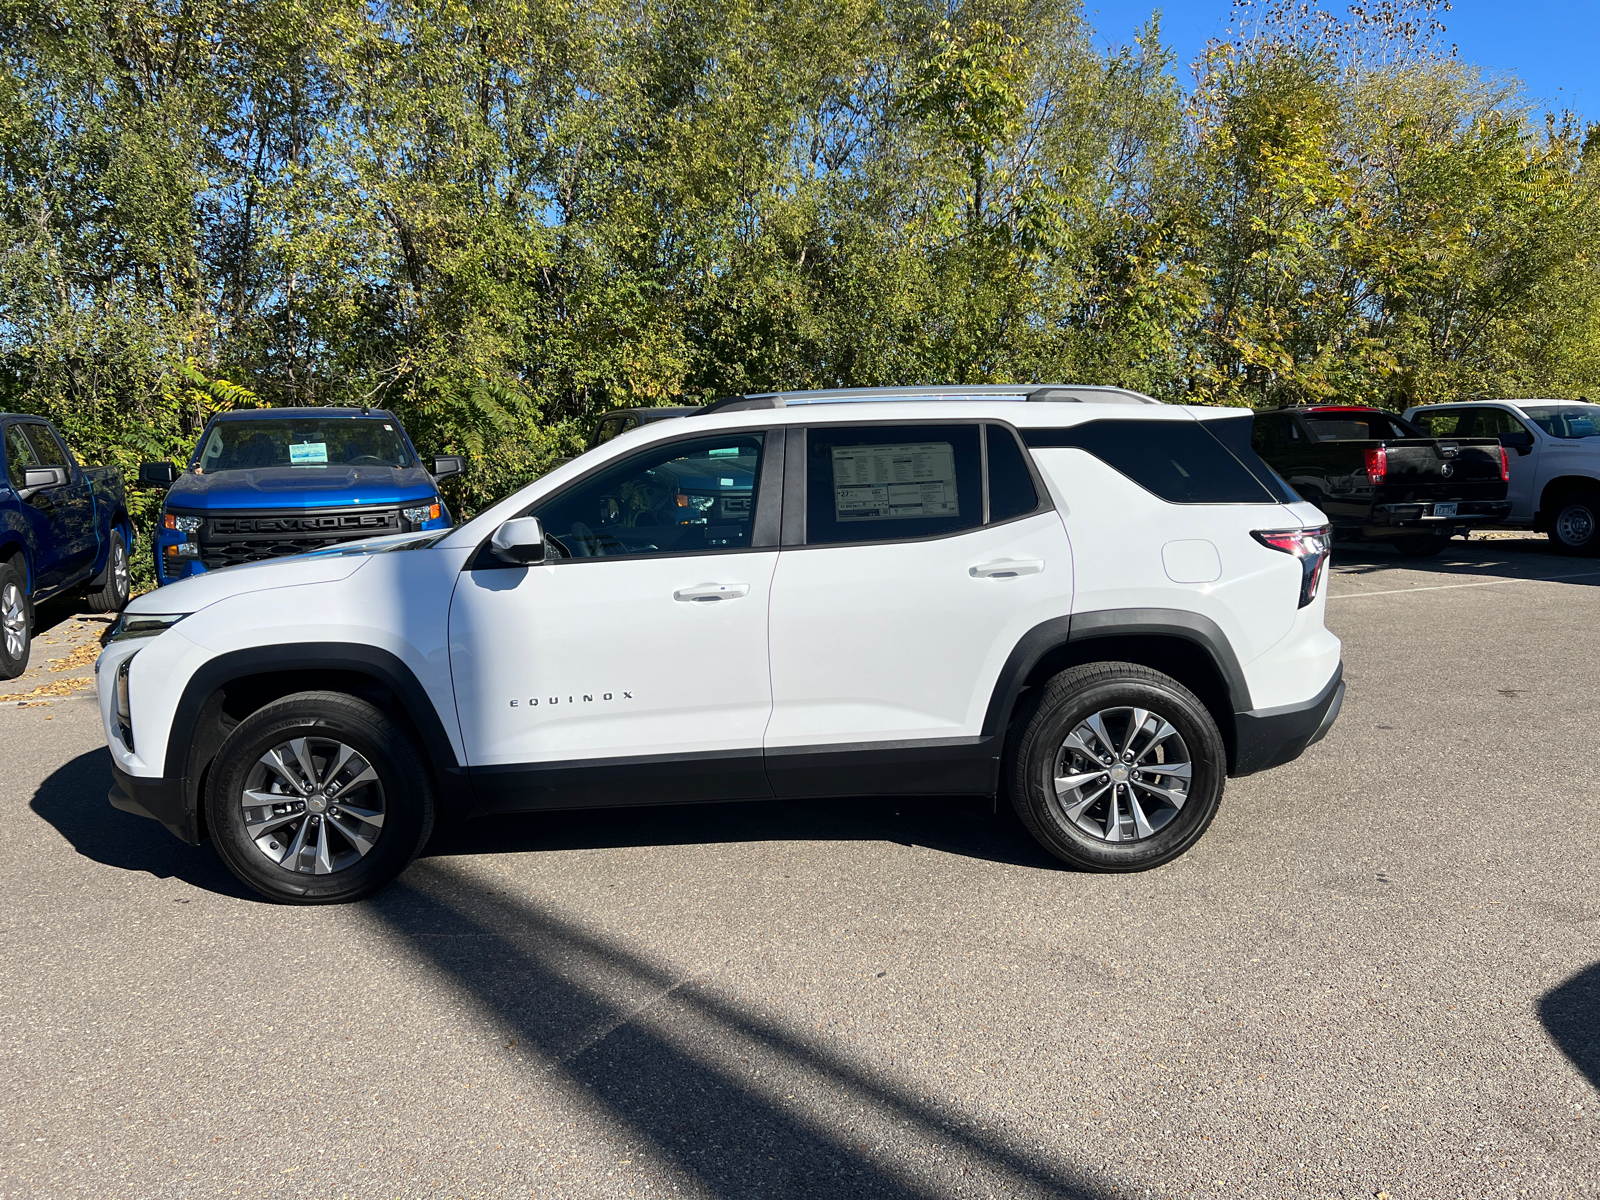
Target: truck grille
(242, 537)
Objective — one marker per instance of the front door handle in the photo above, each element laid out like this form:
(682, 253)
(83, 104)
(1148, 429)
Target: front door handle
(702, 593)
(1008, 568)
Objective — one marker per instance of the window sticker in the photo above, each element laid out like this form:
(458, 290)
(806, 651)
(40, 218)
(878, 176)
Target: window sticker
(308, 452)
(874, 483)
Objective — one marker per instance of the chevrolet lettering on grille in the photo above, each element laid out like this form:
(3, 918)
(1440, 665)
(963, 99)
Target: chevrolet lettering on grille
(333, 523)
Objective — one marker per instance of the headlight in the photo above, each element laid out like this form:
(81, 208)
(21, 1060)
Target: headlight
(124, 707)
(426, 512)
(138, 625)
(182, 524)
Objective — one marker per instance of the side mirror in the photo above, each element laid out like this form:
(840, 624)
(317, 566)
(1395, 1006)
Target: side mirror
(1519, 440)
(157, 474)
(520, 541)
(448, 464)
(38, 478)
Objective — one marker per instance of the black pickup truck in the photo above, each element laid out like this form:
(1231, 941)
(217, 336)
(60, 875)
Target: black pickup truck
(1382, 479)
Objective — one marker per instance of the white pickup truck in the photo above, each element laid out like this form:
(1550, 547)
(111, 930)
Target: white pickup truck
(1555, 464)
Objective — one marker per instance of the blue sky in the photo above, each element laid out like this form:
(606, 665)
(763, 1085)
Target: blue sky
(1553, 46)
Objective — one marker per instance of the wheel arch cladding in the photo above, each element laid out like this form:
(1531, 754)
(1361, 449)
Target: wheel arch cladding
(226, 690)
(1567, 485)
(1186, 646)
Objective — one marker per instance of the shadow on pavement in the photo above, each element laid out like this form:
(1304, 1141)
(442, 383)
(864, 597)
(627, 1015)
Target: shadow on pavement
(1493, 558)
(1571, 1015)
(671, 1061)
(73, 799)
(964, 826)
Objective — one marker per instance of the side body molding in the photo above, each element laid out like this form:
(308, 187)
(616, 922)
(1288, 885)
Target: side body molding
(380, 666)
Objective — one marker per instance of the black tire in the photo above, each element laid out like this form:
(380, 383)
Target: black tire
(1573, 524)
(1061, 708)
(1421, 545)
(112, 596)
(16, 621)
(326, 720)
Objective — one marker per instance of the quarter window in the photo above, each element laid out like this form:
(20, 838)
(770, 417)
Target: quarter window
(892, 482)
(1179, 461)
(680, 498)
(1011, 491)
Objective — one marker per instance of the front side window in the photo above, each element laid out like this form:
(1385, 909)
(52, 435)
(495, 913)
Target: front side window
(680, 498)
(1566, 420)
(313, 442)
(892, 482)
(19, 455)
(47, 446)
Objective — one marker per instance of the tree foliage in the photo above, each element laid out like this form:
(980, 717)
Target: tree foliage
(498, 218)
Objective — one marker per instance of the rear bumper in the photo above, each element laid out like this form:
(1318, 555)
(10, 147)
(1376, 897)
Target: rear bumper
(1421, 514)
(1270, 737)
(159, 799)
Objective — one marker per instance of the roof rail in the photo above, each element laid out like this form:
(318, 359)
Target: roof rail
(1050, 393)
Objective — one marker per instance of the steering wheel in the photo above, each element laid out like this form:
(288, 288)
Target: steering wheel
(588, 544)
(363, 459)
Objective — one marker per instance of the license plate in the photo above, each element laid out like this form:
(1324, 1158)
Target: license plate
(1444, 510)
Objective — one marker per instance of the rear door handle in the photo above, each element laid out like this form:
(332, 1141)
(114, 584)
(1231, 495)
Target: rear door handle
(1008, 568)
(702, 593)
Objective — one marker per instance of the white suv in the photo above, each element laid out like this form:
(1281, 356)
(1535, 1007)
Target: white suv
(1094, 603)
(1554, 480)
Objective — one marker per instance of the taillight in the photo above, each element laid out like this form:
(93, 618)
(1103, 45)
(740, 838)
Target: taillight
(1505, 466)
(1310, 546)
(1377, 463)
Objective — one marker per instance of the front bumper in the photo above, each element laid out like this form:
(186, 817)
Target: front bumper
(1422, 514)
(159, 799)
(1270, 737)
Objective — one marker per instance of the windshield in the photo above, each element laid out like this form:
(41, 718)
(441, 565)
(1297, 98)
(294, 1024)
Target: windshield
(1565, 420)
(314, 442)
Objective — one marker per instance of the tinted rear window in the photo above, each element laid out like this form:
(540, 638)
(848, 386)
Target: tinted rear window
(1011, 492)
(1177, 460)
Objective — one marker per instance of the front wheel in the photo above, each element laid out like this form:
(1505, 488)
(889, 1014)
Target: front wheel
(16, 622)
(112, 595)
(319, 798)
(1116, 767)
(1575, 524)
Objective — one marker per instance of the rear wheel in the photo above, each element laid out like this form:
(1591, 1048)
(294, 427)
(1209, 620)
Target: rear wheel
(1116, 767)
(319, 798)
(112, 595)
(1575, 523)
(1421, 545)
(16, 622)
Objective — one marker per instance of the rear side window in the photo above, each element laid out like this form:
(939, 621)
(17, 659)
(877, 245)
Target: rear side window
(892, 482)
(1011, 490)
(1235, 433)
(1481, 423)
(1178, 461)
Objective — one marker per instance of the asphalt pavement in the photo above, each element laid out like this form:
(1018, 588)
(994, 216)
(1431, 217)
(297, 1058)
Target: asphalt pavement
(1378, 973)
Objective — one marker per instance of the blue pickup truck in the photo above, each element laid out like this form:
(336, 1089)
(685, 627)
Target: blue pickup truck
(63, 527)
(266, 483)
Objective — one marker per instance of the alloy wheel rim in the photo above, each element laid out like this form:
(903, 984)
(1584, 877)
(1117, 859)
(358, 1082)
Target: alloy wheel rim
(313, 805)
(119, 569)
(14, 617)
(1121, 775)
(1575, 525)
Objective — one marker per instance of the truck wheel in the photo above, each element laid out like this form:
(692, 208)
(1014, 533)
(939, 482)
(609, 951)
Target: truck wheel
(1115, 767)
(16, 622)
(1421, 545)
(1575, 524)
(319, 798)
(113, 595)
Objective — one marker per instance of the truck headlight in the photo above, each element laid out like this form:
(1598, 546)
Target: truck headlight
(425, 512)
(182, 524)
